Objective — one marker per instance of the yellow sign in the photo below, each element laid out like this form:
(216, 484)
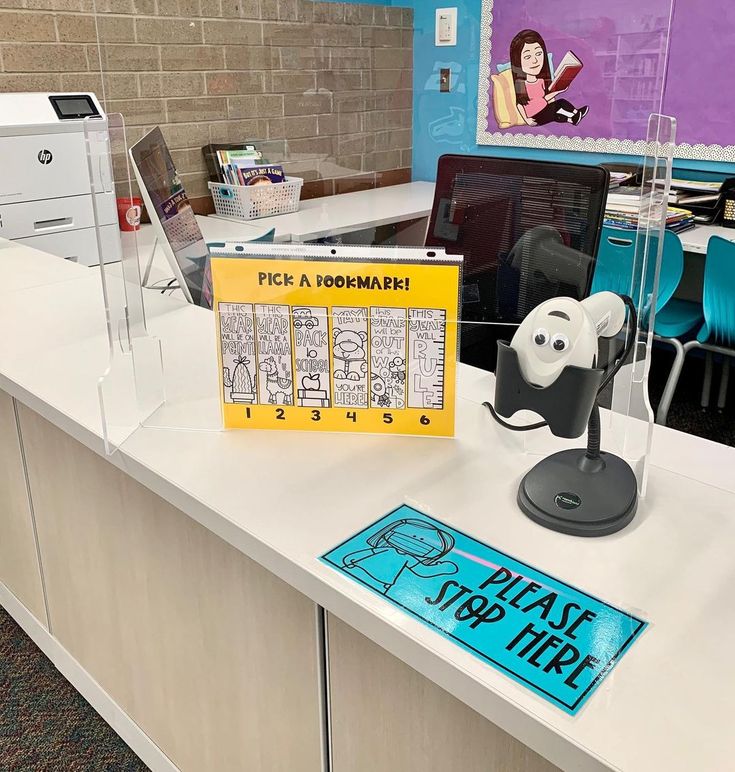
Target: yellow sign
(338, 345)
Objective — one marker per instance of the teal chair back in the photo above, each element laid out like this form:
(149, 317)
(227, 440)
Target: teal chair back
(719, 293)
(616, 258)
(266, 237)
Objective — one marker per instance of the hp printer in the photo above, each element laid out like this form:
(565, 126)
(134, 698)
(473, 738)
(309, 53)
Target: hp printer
(46, 186)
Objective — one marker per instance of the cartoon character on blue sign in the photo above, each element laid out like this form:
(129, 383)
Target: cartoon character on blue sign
(404, 544)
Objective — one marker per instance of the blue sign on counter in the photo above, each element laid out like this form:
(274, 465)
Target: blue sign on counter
(554, 639)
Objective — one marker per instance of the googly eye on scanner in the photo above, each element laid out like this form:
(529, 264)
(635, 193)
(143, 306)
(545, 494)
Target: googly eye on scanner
(541, 336)
(560, 342)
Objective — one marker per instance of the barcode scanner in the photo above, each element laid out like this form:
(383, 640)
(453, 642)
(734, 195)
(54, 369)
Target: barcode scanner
(562, 332)
(550, 368)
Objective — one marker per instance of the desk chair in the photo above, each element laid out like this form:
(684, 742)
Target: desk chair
(674, 317)
(717, 335)
(482, 208)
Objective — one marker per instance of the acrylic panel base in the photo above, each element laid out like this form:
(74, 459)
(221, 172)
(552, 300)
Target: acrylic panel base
(569, 493)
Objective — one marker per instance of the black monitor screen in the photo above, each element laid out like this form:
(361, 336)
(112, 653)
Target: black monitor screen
(528, 231)
(168, 197)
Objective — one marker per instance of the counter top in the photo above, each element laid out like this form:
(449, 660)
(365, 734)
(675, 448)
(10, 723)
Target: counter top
(696, 239)
(284, 499)
(334, 215)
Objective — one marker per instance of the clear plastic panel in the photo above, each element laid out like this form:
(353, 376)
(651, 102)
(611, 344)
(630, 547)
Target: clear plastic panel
(630, 398)
(295, 342)
(131, 387)
(322, 88)
(619, 53)
(627, 417)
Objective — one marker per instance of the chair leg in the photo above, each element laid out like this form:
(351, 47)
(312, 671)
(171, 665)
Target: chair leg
(672, 381)
(724, 382)
(707, 383)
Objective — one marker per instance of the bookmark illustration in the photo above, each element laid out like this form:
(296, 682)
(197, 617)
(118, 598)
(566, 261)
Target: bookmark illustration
(237, 343)
(311, 346)
(349, 355)
(275, 371)
(388, 357)
(426, 352)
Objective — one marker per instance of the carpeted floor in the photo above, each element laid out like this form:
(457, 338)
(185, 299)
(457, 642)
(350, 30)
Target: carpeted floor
(45, 724)
(686, 413)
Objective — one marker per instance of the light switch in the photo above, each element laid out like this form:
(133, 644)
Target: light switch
(446, 27)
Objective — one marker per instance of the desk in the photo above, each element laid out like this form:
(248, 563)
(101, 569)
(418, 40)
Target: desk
(696, 239)
(186, 601)
(316, 218)
(336, 215)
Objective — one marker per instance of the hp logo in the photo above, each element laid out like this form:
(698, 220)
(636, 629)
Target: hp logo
(45, 157)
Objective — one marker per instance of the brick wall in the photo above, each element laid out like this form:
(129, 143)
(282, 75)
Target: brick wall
(325, 88)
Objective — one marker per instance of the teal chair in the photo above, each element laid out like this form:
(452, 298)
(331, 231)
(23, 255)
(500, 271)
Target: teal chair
(717, 335)
(267, 237)
(674, 317)
(614, 269)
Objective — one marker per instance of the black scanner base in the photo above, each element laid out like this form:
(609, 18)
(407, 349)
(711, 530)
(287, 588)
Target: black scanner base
(572, 494)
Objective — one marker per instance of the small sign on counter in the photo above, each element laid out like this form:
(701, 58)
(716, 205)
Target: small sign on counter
(341, 339)
(552, 638)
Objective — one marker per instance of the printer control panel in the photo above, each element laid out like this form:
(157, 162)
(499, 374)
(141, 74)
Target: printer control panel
(72, 107)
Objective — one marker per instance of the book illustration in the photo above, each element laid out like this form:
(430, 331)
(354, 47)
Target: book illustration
(525, 93)
(349, 352)
(426, 357)
(388, 357)
(404, 545)
(311, 342)
(275, 371)
(261, 175)
(569, 67)
(237, 344)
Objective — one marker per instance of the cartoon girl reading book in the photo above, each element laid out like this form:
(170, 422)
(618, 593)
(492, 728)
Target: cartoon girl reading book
(537, 102)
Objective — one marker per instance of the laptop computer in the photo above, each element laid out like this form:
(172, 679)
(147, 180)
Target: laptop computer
(174, 221)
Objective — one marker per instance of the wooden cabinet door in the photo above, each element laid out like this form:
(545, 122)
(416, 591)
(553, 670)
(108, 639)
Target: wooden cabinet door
(386, 716)
(214, 657)
(19, 568)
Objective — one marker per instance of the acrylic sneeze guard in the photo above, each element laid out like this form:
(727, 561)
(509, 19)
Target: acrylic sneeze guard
(627, 417)
(132, 385)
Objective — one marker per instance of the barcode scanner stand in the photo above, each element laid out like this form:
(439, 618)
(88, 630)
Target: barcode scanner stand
(583, 491)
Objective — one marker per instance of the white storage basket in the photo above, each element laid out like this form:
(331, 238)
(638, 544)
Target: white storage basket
(248, 202)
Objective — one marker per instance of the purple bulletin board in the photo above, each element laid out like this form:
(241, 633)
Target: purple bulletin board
(638, 57)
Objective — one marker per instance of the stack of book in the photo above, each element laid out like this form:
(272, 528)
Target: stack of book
(703, 197)
(624, 206)
(684, 191)
(232, 162)
(617, 179)
(240, 165)
(679, 220)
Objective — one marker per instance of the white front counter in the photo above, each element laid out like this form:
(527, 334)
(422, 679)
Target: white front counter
(282, 500)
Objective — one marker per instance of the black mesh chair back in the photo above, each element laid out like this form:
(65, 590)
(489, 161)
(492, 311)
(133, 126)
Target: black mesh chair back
(528, 230)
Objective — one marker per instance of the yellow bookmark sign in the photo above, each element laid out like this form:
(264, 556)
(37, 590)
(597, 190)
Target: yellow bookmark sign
(336, 345)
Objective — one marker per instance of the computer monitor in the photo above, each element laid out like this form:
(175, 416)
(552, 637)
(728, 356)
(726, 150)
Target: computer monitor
(493, 211)
(172, 216)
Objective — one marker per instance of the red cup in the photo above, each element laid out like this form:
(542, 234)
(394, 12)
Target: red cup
(128, 213)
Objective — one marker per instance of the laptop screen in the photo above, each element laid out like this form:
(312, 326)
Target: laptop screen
(167, 201)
